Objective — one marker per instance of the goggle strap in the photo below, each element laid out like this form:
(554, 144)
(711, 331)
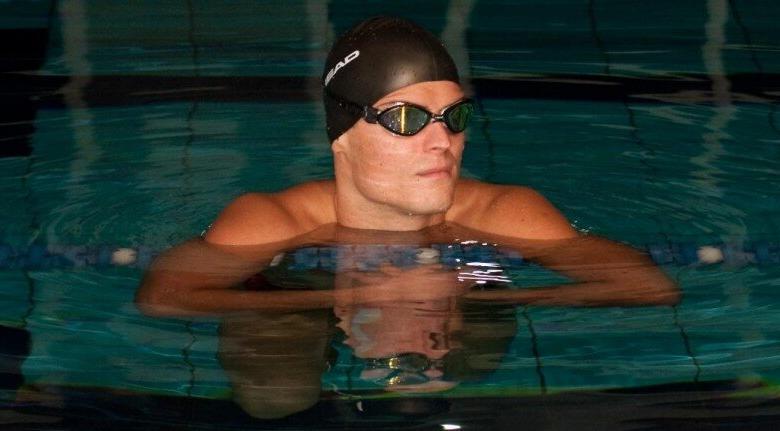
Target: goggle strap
(370, 114)
(346, 104)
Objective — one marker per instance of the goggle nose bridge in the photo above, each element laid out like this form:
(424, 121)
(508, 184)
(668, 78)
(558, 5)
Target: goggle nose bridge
(437, 118)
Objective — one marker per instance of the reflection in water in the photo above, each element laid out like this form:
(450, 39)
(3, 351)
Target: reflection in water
(279, 363)
(274, 361)
(342, 312)
(75, 52)
(707, 177)
(454, 38)
(357, 313)
(283, 363)
(319, 32)
(712, 55)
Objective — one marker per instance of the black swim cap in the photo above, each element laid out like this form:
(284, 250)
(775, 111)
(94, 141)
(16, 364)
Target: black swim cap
(375, 58)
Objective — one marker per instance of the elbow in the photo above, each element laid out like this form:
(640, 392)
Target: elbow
(673, 295)
(148, 303)
(158, 309)
(154, 301)
(663, 292)
(654, 287)
(670, 297)
(150, 309)
(645, 293)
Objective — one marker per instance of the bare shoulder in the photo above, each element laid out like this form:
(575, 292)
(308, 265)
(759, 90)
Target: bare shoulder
(259, 218)
(508, 210)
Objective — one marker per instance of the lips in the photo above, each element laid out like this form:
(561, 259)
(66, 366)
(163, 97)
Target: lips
(436, 172)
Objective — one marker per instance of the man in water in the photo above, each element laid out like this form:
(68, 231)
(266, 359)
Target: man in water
(396, 116)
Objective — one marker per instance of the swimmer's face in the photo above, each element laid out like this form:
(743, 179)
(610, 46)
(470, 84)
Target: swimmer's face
(411, 174)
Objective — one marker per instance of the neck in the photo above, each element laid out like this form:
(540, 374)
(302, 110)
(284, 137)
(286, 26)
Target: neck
(361, 214)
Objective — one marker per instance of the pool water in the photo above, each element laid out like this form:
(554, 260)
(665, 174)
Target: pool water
(131, 125)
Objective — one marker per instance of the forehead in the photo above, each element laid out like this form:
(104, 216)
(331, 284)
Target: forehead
(430, 94)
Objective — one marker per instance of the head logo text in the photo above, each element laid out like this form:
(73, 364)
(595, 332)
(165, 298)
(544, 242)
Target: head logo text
(353, 55)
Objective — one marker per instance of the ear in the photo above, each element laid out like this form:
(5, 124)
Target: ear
(340, 144)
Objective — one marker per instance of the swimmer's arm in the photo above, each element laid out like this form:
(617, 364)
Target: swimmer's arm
(198, 278)
(604, 273)
(261, 218)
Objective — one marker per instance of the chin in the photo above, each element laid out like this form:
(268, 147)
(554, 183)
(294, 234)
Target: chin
(430, 206)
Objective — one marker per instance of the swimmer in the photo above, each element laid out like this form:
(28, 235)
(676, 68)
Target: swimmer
(395, 119)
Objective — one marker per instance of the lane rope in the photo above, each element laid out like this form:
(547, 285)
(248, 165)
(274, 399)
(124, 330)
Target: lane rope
(369, 257)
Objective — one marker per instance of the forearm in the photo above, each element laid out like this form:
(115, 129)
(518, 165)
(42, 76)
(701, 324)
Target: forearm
(603, 272)
(197, 278)
(586, 294)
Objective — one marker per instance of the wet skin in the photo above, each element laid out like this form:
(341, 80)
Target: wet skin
(390, 182)
(382, 312)
(197, 277)
(390, 189)
(396, 188)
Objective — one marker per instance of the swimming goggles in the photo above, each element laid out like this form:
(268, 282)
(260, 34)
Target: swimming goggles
(407, 119)
(403, 369)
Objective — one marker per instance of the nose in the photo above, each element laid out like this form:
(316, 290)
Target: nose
(437, 136)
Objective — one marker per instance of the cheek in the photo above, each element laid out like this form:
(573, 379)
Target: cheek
(381, 159)
(457, 146)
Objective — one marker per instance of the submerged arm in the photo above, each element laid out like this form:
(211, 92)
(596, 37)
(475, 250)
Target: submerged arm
(198, 276)
(605, 273)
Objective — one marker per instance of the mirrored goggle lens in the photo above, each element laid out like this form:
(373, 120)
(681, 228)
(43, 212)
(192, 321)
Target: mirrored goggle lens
(457, 116)
(408, 120)
(404, 119)
(405, 362)
(404, 378)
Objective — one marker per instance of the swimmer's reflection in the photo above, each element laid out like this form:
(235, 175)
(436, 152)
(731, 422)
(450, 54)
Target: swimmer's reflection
(396, 341)
(299, 357)
(275, 371)
(197, 277)
(405, 324)
(428, 347)
(402, 343)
